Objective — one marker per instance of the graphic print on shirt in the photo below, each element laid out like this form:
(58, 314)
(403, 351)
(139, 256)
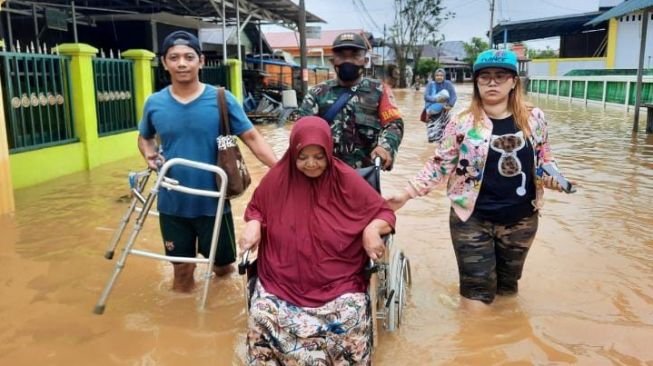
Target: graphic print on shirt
(509, 164)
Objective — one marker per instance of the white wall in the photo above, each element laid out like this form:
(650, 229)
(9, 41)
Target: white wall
(538, 68)
(628, 41)
(566, 66)
(605, 3)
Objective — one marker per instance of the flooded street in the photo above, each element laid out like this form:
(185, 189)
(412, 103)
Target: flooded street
(586, 296)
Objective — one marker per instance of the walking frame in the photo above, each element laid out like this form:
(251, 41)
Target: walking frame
(138, 181)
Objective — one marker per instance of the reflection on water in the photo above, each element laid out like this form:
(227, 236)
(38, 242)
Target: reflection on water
(586, 296)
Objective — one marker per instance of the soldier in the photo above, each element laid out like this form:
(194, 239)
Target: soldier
(364, 119)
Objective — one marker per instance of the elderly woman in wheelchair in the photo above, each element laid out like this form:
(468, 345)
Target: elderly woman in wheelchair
(316, 223)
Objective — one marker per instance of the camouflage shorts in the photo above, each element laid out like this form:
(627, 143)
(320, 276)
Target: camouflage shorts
(490, 256)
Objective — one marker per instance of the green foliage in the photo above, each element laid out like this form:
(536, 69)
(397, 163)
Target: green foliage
(417, 22)
(546, 53)
(426, 67)
(473, 48)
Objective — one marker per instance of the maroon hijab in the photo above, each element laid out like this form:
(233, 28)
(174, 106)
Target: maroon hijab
(311, 248)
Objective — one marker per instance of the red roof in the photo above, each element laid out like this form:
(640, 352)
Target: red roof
(290, 40)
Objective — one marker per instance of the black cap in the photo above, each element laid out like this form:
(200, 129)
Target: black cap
(349, 40)
(181, 38)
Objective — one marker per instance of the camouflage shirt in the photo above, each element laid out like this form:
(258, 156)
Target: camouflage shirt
(369, 119)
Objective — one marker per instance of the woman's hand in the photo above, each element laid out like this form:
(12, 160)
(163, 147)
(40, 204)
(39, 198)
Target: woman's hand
(552, 183)
(372, 242)
(397, 201)
(251, 236)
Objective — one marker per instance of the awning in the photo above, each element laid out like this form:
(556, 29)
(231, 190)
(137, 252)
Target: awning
(624, 8)
(526, 30)
(283, 11)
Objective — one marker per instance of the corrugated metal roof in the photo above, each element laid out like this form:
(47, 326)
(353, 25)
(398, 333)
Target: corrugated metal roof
(525, 30)
(285, 11)
(624, 8)
(290, 40)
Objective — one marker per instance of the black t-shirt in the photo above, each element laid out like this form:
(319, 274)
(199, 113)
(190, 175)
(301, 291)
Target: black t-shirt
(506, 190)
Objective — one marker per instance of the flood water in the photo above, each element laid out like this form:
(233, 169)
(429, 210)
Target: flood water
(586, 296)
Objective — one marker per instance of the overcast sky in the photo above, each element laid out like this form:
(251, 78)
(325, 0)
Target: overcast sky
(472, 16)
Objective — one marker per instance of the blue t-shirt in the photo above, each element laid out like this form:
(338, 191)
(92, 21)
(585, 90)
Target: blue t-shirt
(189, 131)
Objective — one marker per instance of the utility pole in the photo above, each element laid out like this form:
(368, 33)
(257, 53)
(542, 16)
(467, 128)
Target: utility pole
(383, 54)
(640, 67)
(491, 21)
(302, 46)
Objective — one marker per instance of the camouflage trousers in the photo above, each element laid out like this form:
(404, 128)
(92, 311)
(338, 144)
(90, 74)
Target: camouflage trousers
(490, 256)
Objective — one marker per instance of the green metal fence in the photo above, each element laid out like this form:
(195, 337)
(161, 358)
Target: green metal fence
(604, 89)
(114, 90)
(615, 92)
(36, 100)
(553, 87)
(595, 90)
(217, 75)
(212, 74)
(578, 89)
(565, 87)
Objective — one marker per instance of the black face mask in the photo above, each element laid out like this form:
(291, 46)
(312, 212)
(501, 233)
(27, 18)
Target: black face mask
(348, 71)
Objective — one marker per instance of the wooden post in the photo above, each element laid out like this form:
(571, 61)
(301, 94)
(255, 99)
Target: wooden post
(640, 67)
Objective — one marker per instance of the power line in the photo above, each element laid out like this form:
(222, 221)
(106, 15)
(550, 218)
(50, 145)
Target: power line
(363, 20)
(361, 6)
(559, 7)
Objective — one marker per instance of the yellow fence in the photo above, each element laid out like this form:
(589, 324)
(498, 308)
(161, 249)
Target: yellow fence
(23, 169)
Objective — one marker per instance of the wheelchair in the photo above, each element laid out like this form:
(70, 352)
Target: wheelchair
(389, 277)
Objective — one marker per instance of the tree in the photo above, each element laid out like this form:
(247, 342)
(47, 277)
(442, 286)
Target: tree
(473, 48)
(547, 53)
(426, 67)
(417, 23)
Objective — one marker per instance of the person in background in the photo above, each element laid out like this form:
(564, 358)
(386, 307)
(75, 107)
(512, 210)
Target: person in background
(491, 158)
(186, 118)
(439, 97)
(316, 224)
(364, 118)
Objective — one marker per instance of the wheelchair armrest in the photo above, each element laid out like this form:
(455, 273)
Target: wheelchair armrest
(371, 268)
(242, 266)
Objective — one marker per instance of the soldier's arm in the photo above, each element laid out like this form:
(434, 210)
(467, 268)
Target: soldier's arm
(391, 136)
(309, 105)
(391, 122)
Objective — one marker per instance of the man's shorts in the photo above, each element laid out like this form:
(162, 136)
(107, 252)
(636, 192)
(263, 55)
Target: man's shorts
(490, 256)
(184, 237)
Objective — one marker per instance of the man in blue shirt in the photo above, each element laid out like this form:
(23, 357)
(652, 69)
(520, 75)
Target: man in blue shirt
(186, 117)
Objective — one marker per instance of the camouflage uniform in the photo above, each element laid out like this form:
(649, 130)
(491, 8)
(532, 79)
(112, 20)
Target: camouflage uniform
(369, 119)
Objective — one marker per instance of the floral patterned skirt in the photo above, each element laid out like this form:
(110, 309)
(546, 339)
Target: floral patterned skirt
(337, 333)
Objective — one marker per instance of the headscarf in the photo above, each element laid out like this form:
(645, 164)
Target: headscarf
(311, 248)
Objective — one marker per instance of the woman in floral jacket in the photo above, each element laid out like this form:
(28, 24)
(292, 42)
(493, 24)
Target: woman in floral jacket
(491, 157)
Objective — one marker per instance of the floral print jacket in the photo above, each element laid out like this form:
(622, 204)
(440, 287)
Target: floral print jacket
(461, 157)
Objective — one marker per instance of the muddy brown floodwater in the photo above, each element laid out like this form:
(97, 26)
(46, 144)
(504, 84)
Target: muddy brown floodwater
(586, 296)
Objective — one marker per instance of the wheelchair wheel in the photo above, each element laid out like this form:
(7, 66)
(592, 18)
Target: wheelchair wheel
(405, 281)
(394, 291)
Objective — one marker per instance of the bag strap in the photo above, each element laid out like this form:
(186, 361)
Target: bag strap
(224, 113)
(339, 104)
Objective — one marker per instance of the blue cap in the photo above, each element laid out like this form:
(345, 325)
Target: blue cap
(181, 38)
(496, 58)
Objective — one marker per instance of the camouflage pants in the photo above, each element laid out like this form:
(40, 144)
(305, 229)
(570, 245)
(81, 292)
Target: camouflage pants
(490, 256)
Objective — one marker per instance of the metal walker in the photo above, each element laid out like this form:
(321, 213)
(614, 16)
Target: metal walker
(138, 182)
